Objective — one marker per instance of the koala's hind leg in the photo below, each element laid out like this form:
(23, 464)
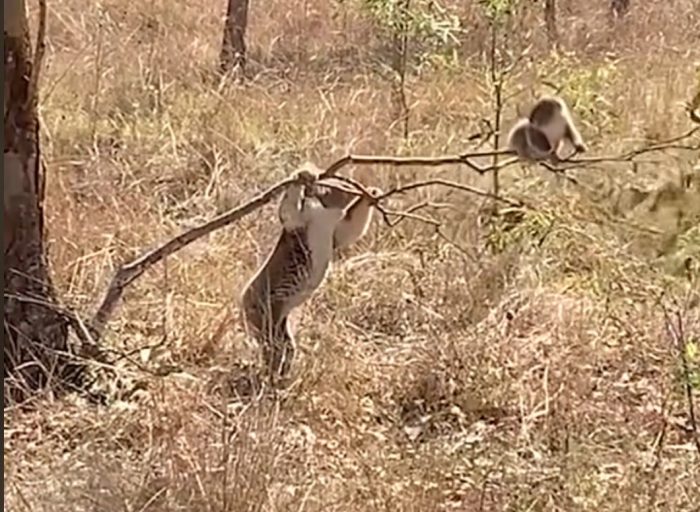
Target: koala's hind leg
(278, 350)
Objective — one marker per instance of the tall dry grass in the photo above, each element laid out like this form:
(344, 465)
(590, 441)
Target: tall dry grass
(434, 374)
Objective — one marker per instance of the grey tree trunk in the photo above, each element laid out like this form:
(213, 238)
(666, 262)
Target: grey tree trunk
(34, 333)
(233, 47)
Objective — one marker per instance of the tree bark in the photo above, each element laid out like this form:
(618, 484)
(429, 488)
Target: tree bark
(34, 333)
(233, 47)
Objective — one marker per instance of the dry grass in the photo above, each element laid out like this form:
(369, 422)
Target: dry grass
(432, 375)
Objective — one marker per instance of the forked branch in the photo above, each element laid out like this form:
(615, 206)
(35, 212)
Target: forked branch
(425, 161)
(131, 271)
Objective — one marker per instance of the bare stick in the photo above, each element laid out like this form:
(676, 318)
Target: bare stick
(407, 214)
(677, 335)
(559, 171)
(129, 272)
(426, 161)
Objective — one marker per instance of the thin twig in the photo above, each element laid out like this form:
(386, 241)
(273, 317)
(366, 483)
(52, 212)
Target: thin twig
(670, 143)
(451, 184)
(410, 212)
(407, 215)
(559, 172)
(362, 191)
(497, 82)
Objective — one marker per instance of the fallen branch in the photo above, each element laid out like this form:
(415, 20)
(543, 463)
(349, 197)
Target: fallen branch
(129, 272)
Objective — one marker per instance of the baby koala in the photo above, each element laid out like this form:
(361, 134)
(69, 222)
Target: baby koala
(541, 135)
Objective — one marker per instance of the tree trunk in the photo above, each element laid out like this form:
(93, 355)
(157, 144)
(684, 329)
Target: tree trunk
(34, 333)
(618, 8)
(233, 48)
(550, 20)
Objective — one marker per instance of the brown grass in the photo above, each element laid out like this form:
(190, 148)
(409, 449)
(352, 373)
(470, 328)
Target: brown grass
(432, 375)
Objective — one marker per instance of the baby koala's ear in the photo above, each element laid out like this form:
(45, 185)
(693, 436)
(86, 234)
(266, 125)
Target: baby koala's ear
(307, 173)
(305, 177)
